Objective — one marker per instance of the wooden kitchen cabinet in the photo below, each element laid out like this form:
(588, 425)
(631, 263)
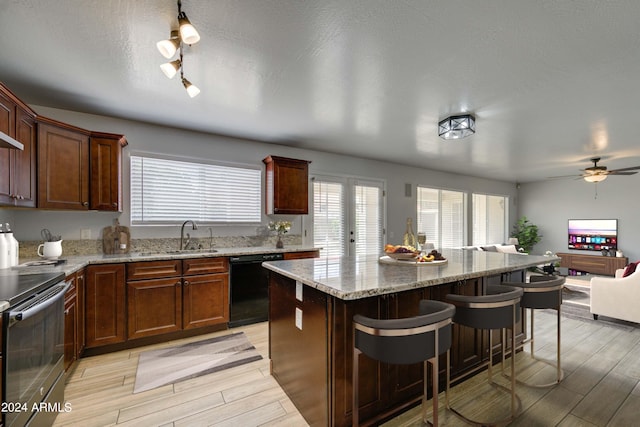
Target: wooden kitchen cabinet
(17, 167)
(70, 323)
(205, 300)
(80, 303)
(173, 295)
(105, 308)
(287, 186)
(301, 255)
(154, 306)
(63, 166)
(106, 171)
(154, 298)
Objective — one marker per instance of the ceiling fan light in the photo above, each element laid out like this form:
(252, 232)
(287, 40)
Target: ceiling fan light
(595, 178)
(457, 127)
(188, 32)
(170, 69)
(192, 89)
(169, 47)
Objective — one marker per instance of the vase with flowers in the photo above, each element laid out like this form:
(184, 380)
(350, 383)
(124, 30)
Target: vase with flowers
(280, 227)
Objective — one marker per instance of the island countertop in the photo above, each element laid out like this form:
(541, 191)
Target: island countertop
(356, 277)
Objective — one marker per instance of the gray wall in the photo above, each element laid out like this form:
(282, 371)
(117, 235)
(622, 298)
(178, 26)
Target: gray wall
(144, 137)
(550, 204)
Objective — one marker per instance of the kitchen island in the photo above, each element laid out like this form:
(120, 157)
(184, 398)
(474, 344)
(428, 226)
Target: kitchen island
(312, 304)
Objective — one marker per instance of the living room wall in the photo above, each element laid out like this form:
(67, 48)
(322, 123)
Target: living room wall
(550, 204)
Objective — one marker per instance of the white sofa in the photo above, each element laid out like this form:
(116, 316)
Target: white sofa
(616, 297)
(505, 249)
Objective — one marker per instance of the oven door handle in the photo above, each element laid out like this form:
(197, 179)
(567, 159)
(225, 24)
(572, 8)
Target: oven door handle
(55, 293)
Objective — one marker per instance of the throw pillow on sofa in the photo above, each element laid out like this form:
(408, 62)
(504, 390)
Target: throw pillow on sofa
(630, 269)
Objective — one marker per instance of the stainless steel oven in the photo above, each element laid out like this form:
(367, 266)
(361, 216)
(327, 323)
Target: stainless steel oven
(33, 358)
(249, 288)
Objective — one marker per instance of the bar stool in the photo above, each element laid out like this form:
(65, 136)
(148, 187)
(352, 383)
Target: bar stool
(405, 341)
(499, 308)
(542, 292)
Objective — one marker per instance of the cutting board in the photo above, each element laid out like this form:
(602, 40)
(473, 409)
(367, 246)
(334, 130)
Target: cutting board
(116, 239)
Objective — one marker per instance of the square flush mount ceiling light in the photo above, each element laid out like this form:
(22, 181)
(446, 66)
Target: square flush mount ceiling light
(457, 127)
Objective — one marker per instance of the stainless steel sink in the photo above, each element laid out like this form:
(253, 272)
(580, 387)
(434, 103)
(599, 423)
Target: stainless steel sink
(177, 252)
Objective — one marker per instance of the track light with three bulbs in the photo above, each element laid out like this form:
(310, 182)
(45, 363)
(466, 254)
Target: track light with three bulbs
(186, 34)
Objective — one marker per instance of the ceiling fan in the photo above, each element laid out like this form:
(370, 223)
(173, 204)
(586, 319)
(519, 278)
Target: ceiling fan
(597, 173)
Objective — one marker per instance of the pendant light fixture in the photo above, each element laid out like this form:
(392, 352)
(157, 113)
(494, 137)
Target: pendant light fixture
(457, 127)
(186, 34)
(169, 47)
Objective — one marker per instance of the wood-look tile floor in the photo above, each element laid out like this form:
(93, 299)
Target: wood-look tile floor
(601, 387)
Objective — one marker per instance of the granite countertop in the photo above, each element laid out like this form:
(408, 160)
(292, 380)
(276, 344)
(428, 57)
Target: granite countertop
(357, 277)
(75, 263)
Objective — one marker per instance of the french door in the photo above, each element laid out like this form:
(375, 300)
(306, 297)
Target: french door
(348, 215)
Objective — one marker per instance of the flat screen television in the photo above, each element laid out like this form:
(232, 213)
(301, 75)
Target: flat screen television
(593, 234)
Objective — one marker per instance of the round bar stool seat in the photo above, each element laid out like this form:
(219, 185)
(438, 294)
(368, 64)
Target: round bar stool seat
(542, 292)
(408, 340)
(499, 309)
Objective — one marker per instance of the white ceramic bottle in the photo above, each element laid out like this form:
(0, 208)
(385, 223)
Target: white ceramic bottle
(14, 247)
(4, 250)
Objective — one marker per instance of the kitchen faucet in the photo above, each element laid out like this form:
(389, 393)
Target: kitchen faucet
(183, 244)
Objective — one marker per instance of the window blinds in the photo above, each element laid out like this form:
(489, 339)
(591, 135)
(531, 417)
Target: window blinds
(170, 191)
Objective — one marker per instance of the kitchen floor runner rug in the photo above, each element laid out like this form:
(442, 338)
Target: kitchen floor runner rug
(174, 364)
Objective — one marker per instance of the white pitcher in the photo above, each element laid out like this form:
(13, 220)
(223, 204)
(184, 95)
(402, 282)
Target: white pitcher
(50, 249)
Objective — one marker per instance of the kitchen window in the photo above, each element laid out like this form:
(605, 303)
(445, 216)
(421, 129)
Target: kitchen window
(441, 216)
(490, 219)
(166, 191)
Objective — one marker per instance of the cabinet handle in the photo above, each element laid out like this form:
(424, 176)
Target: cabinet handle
(66, 312)
(85, 203)
(114, 204)
(186, 282)
(178, 283)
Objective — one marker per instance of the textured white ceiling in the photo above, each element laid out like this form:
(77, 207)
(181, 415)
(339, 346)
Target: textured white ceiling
(551, 82)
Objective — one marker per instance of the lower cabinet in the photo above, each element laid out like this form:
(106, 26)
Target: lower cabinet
(195, 294)
(105, 321)
(74, 318)
(70, 323)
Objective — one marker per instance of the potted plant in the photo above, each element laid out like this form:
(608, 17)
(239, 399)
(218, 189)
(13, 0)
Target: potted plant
(526, 233)
(281, 227)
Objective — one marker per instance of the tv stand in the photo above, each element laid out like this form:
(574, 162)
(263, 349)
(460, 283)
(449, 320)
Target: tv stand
(595, 264)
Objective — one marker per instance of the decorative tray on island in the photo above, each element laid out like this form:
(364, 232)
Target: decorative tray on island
(409, 261)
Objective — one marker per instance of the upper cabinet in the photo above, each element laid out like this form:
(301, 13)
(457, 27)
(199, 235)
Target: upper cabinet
(106, 171)
(91, 177)
(287, 186)
(63, 166)
(17, 167)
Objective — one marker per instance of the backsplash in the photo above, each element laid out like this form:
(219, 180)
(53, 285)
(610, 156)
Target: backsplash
(89, 247)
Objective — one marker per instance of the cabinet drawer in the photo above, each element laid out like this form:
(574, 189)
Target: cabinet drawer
(301, 255)
(205, 265)
(153, 269)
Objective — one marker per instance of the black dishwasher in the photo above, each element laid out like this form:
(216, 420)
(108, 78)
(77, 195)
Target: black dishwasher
(249, 289)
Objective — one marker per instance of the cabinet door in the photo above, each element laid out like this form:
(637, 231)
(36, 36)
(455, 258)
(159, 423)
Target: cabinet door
(7, 125)
(206, 300)
(154, 307)
(287, 187)
(70, 331)
(106, 187)
(105, 305)
(63, 168)
(70, 322)
(24, 162)
(80, 289)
